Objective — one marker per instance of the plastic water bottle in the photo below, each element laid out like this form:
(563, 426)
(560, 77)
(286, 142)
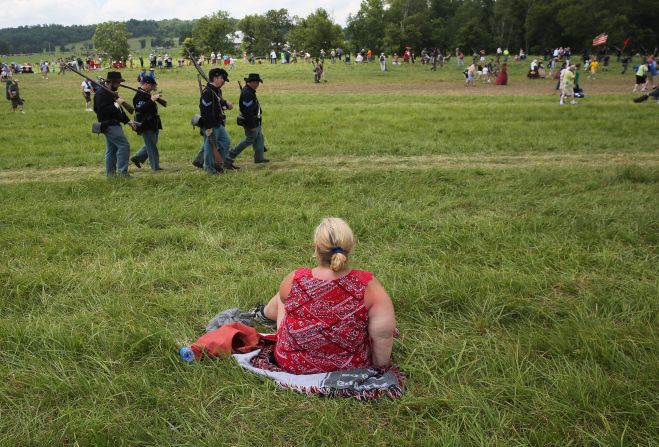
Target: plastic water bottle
(186, 354)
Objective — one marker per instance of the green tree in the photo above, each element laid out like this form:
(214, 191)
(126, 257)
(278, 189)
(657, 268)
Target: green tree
(315, 32)
(263, 32)
(112, 38)
(366, 28)
(254, 31)
(215, 32)
(188, 44)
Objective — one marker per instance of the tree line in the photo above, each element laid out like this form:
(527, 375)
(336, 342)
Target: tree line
(389, 25)
(39, 38)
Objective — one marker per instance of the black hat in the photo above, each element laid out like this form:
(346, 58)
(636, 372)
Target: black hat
(253, 77)
(114, 76)
(215, 72)
(149, 80)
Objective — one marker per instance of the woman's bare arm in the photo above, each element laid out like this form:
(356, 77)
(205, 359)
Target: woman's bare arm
(381, 323)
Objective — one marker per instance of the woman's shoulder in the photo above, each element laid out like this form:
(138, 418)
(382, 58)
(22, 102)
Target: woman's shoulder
(362, 275)
(300, 272)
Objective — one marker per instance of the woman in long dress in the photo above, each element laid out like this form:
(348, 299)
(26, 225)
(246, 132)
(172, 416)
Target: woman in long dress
(502, 79)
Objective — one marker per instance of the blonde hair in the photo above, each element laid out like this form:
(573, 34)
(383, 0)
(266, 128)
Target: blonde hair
(334, 242)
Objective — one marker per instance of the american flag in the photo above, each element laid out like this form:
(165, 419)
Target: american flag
(600, 40)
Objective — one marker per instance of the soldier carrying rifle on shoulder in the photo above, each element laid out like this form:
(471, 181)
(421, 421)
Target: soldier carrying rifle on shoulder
(110, 115)
(146, 113)
(213, 121)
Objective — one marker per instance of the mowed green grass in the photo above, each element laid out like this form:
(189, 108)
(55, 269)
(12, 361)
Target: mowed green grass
(518, 240)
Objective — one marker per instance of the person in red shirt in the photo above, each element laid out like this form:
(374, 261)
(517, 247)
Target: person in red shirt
(331, 317)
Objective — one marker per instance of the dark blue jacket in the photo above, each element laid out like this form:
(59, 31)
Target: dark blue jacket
(250, 108)
(146, 111)
(210, 107)
(106, 110)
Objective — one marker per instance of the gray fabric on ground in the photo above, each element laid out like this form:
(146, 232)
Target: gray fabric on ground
(229, 316)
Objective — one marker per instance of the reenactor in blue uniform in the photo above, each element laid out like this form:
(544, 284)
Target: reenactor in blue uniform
(109, 113)
(213, 120)
(149, 123)
(250, 110)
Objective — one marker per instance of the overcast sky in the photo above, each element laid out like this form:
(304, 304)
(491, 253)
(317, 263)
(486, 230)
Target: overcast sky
(86, 12)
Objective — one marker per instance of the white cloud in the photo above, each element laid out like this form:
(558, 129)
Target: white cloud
(86, 12)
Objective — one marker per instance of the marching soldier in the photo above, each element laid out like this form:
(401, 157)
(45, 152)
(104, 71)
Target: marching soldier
(213, 120)
(251, 112)
(111, 116)
(14, 95)
(149, 123)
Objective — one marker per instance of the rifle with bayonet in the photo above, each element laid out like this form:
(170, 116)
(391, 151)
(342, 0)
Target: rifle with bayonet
(124, 104)
(160, 100)
(217, 157)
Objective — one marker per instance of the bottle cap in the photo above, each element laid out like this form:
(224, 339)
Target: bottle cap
(186, 354)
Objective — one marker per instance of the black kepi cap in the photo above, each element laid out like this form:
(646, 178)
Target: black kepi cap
(215, 72)
(149, 80)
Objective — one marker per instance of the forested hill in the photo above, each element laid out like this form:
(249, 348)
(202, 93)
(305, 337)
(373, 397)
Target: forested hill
(34, 39)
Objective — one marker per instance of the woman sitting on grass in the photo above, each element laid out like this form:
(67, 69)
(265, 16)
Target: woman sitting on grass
(331, 317)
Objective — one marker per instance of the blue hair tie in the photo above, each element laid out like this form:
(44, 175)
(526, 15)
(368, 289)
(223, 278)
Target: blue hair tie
(337, 249)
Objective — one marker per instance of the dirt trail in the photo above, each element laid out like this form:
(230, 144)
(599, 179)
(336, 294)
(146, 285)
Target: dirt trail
(358, 163)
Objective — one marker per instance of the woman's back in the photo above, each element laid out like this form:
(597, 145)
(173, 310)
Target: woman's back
(326, 324)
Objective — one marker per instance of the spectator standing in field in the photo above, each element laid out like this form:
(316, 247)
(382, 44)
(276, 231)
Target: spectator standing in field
(502, 79)
(273, 56)
(625, 64)
(592, 68)
(470, 76)
(435, 58)
(652, 71)
(641, 77)
(461, 58)
(15, 96)
(333, 56)
(44, 70)
(86, 88)
(567, 84)
(578, 93)
(383, 62)
(330, 317)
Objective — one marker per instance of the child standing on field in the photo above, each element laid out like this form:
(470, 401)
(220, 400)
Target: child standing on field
(470, 73)
(593, 69)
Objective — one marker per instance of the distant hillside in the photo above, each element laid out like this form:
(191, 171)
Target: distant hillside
(38, 38)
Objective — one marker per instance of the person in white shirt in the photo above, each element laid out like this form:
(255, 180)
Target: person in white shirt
(86, 87)
(359, 59)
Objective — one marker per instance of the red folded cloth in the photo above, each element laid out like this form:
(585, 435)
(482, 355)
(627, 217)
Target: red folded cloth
(232, 337)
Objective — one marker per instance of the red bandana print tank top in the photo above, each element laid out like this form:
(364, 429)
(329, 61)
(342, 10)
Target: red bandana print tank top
(326, 324)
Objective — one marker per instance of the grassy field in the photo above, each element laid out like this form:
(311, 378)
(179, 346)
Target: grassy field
(518, 240)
